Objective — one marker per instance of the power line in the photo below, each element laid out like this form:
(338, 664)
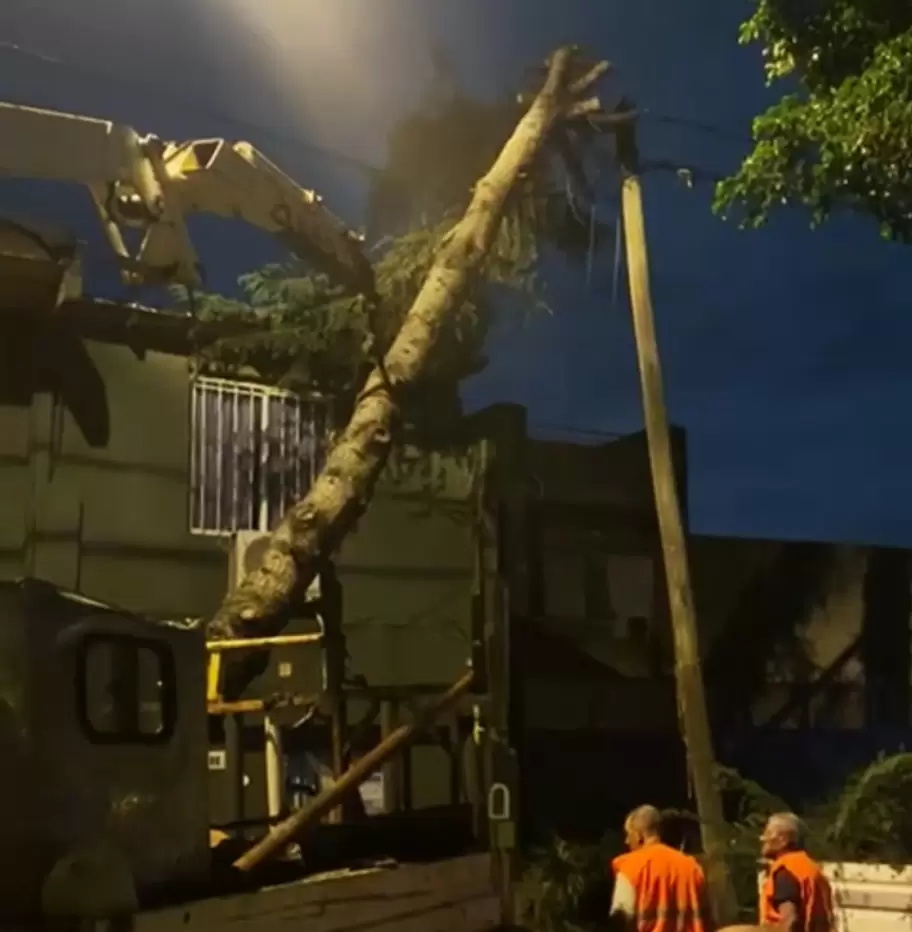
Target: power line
(710, 129)
(574, 431)
(296, 142)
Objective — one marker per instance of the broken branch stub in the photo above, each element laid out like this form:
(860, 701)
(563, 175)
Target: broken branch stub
(317, 524)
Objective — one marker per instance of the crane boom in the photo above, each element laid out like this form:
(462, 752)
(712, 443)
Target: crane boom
(144, 183)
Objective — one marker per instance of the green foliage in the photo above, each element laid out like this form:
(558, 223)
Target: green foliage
(438, 152)
(869, 819)
(843, 138)
(291, 328)
(872, 820)
(554, 883)
(299, 330)
(771, 613)
(748, 806)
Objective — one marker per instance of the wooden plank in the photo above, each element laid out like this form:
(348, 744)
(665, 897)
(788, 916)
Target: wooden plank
(455, 895)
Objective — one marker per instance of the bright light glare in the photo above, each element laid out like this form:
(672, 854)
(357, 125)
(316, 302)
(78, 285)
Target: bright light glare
(334, 71)
(339, 68)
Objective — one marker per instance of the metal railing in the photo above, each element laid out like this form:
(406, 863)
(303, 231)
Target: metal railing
(254, 449)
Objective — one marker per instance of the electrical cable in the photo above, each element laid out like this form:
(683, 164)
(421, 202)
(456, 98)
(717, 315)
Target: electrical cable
(687, 173)
(297, 142)
(577, 431)
(186, 104)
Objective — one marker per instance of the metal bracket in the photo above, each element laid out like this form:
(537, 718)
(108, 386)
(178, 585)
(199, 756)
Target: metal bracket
(499, 802)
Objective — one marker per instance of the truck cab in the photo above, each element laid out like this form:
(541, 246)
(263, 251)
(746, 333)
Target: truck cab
(102, 734)
(105, 811)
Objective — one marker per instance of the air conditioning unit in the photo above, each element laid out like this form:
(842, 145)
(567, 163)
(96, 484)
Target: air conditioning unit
(247, 549)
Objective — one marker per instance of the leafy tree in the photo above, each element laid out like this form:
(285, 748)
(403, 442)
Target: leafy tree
(466, 256)
(424, 329)
(438, 152)
(298, 329)
(842, 138)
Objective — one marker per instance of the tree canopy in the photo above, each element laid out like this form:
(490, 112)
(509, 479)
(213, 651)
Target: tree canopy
(841, 138)
(306, 333)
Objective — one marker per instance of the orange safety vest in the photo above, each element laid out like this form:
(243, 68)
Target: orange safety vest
(670, 889)
(816, 896)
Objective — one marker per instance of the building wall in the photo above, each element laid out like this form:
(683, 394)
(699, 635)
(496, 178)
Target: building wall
(722, 569)
(605, 624)
(94, 471)
(740, 600)
(15, 482)
(109, 518)
(98, 501)
(602, 588)
(408, 573)
(832, 624)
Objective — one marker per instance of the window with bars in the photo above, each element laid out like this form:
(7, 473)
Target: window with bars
(126, 690)
(253, 451)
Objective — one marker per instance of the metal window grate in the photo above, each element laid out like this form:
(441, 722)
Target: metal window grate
(253, 451)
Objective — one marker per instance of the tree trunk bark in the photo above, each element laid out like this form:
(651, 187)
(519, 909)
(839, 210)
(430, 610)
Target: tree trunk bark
(316, 525)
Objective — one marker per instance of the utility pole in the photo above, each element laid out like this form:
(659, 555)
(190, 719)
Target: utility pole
(692, 712)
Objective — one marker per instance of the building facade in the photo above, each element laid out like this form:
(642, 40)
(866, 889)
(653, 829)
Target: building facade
(127, 476)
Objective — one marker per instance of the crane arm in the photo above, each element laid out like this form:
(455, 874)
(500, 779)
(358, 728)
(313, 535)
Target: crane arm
(144, 183)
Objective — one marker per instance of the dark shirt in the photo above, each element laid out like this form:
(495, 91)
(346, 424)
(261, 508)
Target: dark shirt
(786, 889)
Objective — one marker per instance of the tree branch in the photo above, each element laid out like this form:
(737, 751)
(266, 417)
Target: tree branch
(316, 525)
(573, 165)
(617, 118)
(582, 84)
(584, 108)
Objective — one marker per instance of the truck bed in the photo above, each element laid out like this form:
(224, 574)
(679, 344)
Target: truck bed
(452, 895)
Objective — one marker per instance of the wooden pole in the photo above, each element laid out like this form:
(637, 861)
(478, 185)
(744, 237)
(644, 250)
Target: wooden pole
(334, 660)
(688, 673)
(392, 772)
(274, 762)
(295, 824)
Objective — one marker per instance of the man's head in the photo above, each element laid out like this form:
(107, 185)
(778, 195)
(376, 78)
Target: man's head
(783, 833)
(642, 826)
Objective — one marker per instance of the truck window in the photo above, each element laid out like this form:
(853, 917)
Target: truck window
(126, 690)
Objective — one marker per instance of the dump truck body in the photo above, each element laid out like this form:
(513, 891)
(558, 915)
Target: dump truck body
(104, 812)
(92, 764)
(456, 894)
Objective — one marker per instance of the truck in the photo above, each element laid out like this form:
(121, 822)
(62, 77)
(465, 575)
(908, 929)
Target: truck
(127, 776)
(104, 729)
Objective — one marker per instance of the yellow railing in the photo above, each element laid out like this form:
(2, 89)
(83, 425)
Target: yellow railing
(217, 648)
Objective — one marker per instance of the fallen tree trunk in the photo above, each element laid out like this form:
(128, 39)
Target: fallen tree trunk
(316, 525)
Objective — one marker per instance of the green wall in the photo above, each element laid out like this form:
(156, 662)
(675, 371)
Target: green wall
(109, 520)
(112, 521)
(407, 575)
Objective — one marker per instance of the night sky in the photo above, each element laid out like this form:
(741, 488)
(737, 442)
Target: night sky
(786, 351)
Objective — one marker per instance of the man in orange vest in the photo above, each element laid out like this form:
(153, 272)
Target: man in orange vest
(796, 896)
(657, 888)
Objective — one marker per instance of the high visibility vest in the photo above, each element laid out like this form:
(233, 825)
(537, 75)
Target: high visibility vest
(670, 889)
(816, 897)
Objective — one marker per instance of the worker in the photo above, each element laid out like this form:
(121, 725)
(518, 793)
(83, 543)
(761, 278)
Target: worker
(796, 895)
(657, 888)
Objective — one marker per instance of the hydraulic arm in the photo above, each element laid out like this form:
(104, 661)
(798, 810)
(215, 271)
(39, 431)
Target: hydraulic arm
(144, 183)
